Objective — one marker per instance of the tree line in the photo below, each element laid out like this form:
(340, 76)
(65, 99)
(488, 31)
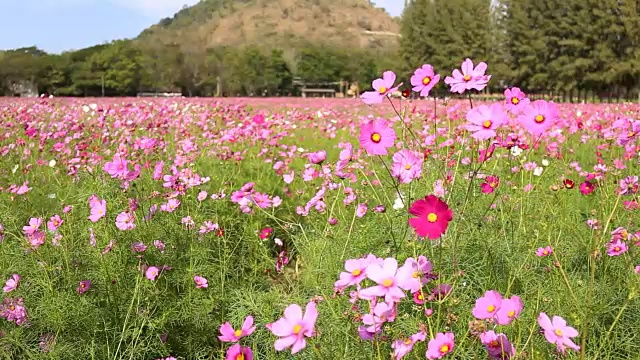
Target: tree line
(538, 45)
(128, 67)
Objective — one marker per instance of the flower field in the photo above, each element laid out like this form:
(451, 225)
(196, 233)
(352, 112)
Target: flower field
(369, 228)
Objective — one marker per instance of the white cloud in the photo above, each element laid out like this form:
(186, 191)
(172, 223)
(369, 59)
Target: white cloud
(155, 8)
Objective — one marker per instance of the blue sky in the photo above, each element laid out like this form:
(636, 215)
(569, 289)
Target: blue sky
(57, 25)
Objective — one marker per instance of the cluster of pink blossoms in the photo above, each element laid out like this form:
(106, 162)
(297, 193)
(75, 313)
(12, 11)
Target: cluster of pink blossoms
(247, 197)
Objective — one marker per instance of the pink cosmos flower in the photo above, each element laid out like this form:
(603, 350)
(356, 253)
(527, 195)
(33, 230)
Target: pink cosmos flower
(98, 210)
(386, 278)
(382, 87)
(616, 248)
(402, 347)
(54, 222)
(317, 157)
(629, 185)
(407, 165)
(201, 282)
(515, 100)
(34, 225)
(470, 78)
(487, 306)
(587, 188)
(484, 120)
(237, 352)
(228, 334)
(440, 346)
(497, 345)
(509, 310)
(361, 210)
(152, 273)
(12, 283)
(117, 168)
(356, 272)
(545, 251)
(381, 313)
(424, 79)
(294, 327)
(539, 116)
(83, 286)
(377, 136)
(125, 221)
(557, 332)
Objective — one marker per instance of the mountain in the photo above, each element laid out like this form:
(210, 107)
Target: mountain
(284, 24)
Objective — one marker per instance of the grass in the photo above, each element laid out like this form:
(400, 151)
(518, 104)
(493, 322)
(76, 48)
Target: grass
(126, 316)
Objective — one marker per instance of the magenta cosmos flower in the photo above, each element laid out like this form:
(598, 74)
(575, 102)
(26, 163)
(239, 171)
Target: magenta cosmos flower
(490, 184)
(382, 87)
(294, 327)
(407, 165)
(515, 100)
(424, 79)
(433, 217)
(558, 332)
(228, 334)
(237, 352)
(539, 116)
(484, 120)
(377, 136)
(498, 345)
(440, 346)
(469, 78)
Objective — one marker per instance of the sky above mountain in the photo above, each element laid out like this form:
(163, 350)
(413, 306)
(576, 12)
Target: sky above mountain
(59, 25)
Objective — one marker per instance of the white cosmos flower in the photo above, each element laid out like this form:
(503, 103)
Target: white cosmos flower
(545, 162)
(516, 151)
(538, 171)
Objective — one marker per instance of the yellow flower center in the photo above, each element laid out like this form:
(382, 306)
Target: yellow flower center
(240, 357)
(625, 233)
(444, 349)
(12, 307)
(545, 252)
(432, 217)
(407, 167)
(297, 329)
(511, 313)
(494, 344)
(382, 90)
(617, 248)
(387, 283)
(407, 341)
(375, 137)
(237, 333)
(558, 332)
(82, 285)
(515, 100)
(486, 124)
(426, 80)
(491, 308)
(415, 275)
(420, 296)
(539, 119)
(631, 134)
(356, 272)
(466, 78)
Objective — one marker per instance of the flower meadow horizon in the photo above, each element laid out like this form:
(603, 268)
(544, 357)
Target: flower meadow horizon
(211, 214)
